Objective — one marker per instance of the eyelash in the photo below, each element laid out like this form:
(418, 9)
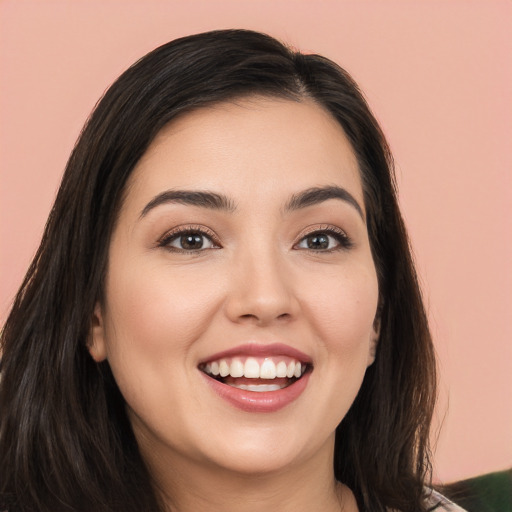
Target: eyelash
(344, 242)
(181, 231)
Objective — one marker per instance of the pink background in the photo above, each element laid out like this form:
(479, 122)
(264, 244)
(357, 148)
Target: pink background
(438, 75)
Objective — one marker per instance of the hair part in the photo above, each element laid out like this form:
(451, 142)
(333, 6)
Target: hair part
(65, 440)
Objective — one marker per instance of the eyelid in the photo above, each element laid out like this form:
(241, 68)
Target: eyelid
(188, 228)
(344, 240)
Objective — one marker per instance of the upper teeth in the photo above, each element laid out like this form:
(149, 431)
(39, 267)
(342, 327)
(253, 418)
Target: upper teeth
(253, 369)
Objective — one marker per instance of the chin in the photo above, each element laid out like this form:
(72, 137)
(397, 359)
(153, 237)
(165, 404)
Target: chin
(257, 462)
(265, 451)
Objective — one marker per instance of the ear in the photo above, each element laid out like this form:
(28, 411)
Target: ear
(374, 341)
(96, 344)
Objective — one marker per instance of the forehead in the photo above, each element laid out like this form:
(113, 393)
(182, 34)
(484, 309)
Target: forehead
(253, 148)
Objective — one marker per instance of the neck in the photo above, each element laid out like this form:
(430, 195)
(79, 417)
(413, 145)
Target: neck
(188, 486)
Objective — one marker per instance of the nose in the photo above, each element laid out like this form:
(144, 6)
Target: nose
(261, 290)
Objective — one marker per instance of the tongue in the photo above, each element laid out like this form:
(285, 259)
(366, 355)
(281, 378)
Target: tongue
(244, 380)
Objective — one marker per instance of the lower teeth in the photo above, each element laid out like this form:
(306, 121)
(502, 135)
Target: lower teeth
(258, 387)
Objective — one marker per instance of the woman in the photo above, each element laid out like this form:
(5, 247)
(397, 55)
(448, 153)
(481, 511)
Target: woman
(223, 313)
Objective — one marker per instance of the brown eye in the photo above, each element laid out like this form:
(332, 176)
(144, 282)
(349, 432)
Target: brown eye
(325, 241)
(188, 241)
(318, 241)
(191, 242)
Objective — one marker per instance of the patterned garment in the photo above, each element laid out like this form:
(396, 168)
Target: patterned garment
(440, 503)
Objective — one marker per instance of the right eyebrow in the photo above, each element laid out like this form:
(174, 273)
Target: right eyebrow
(202, 199)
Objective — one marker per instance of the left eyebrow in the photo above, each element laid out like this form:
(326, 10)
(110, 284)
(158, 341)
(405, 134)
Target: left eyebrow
(316, 195)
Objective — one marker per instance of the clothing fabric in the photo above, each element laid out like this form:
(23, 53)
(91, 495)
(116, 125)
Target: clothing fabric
(491, 492)
(440, 503)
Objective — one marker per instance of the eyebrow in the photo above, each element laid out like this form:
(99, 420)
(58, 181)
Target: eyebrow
(215, 201)
(209, 200)
(317, 195)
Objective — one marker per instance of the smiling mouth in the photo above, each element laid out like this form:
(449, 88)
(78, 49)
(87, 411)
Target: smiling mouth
(258, 374)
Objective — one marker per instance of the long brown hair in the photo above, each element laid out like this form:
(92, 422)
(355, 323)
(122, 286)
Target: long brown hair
(65, 440)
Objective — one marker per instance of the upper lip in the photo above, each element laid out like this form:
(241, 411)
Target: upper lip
(260, 350)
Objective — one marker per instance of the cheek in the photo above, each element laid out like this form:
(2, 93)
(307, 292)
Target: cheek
(154, 317)
(158, 308)
(343, 309)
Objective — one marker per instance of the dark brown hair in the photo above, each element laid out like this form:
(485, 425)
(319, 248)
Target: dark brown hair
(65, 441)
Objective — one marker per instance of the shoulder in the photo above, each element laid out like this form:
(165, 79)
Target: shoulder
(439, 503)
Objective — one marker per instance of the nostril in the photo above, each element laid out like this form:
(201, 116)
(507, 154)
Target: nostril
(263, 319)
(248, 315)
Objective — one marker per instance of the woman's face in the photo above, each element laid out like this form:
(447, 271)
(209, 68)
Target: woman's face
(241, 293)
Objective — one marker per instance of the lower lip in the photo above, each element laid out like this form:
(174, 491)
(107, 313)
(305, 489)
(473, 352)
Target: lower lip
(254, 401)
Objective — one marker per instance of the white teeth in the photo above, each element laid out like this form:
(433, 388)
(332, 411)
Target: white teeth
(281, 369)
(237, 368)
(258, 387)
(223, 368)
(251, 369)
(268, 369)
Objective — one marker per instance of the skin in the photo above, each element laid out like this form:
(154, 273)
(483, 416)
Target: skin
(166, 309)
